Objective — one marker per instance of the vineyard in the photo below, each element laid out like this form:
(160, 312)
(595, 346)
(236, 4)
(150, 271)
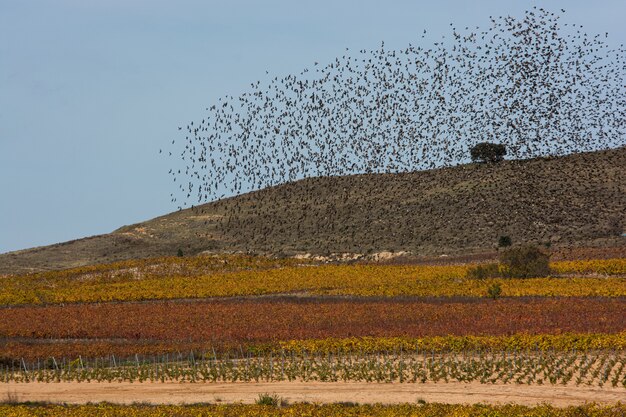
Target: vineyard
(128, 328)
(310, 410)
(293, 318)
(520, 367)
(14, 352)
(238, 319)
(228, 276)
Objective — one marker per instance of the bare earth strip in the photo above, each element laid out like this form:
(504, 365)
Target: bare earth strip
(320, 392)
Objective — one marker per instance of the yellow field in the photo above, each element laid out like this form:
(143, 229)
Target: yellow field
(170, 278)
(594, 266)
(311, 410)
(517, 342)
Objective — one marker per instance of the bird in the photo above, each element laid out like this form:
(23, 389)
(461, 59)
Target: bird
(521, 81)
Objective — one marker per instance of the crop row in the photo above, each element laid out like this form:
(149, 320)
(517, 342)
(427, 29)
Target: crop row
(240, 276)
(458, 344)
(311, 410)
(267, 320)
(596, 368)
(591, 266)
(60, 350)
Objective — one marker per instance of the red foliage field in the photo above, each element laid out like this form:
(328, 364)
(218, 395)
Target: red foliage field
(157, 327)
(260, 320)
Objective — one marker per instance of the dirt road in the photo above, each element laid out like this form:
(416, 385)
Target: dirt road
(326, 392)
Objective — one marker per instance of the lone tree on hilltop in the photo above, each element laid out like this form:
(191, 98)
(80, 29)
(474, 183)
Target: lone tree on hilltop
(488, 152)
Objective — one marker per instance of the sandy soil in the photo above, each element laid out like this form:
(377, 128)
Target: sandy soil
(175, 393)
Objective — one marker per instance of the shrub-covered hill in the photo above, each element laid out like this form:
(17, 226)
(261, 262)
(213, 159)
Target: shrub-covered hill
(576, 200)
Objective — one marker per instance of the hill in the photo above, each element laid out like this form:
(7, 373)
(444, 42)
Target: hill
(570, 201)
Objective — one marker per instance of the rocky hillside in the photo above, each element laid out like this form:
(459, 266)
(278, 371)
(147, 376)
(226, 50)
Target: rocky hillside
(577, 200)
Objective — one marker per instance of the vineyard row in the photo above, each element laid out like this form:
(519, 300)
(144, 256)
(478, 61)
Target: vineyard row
(219, 322)
(311, 410)
(30, 351)
(594, 368)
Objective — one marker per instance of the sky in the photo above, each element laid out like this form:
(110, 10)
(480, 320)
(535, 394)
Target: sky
(91, 90)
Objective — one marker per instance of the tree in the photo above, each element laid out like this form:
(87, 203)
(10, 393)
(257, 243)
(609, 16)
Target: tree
(488, 152)
(504, 241)
(525, 262)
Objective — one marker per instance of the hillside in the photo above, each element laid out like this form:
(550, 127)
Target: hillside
(577, 200)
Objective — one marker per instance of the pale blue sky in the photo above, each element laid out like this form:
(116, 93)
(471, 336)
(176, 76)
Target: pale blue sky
(90, 90)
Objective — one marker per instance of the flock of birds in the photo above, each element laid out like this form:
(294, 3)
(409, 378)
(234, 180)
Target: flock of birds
(531, 83)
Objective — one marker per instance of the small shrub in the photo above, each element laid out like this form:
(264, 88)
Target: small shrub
(271, 400)
(494, 291)
(525, 262)
(488, 152)
(484, 271)
(180, 253)
(504, 241)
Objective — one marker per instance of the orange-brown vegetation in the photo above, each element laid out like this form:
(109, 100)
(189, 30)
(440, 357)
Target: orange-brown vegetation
(100, 329)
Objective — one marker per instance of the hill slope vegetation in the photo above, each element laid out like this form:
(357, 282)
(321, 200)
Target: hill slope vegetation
(575, 200)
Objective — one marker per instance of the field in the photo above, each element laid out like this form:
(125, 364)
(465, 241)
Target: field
(311, 410)
(149, 328)
(206, 276)
(597, 368)
(236, 321)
